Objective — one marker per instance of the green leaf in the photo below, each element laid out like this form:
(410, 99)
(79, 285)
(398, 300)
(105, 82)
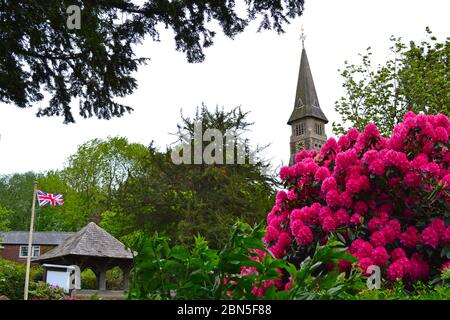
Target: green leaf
(179, 252)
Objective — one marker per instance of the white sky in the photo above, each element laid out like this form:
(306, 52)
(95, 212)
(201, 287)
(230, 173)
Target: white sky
(256, 70)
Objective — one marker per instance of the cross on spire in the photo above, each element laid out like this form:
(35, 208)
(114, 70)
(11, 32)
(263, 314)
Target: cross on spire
(303, 37)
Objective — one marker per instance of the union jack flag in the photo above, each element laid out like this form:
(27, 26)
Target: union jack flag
(45, 199)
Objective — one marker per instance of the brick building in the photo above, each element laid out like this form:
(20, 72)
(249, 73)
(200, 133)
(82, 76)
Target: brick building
(14, 244)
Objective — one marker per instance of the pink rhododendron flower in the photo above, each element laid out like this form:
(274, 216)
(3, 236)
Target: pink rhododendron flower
(258, 291)
(430, 237)
(410, 237)
(398, 253)
(271, 234)
(375, 224)
(418, 268)
(360, 207)
(304, 236)
(380, 256)
(441, 134)
(345, 199)
(445, 237)
(284, 173)
(378, 239)
(322, 173)
(329, 224)
(377, 167)
(389, 234)
(333, 198)
(438, 226)
(291, 195)
(412, 179)
(356, 219)
(361, 248)
(329, 184)
(446, 181)
(342, 217)
(365, 263)
(395, 271)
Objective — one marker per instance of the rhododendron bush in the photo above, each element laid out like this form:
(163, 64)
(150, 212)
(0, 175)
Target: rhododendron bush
(387, 199)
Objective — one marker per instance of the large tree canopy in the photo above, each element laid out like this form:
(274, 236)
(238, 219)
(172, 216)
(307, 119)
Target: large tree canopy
(94, 64)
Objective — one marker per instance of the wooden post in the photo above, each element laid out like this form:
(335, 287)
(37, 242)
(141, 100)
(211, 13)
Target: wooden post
(30, 243)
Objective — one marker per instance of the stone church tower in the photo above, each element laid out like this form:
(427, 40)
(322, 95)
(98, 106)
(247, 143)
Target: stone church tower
(307, 119)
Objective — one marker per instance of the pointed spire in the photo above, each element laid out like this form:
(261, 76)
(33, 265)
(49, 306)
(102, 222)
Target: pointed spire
(306, 101)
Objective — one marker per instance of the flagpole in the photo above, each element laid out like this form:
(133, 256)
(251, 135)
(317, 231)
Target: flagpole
(30, 243)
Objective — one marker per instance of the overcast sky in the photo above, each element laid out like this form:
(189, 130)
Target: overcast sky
(256, 70)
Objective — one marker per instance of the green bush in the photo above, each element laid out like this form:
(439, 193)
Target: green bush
(12, 279)
(179, 272)
(88, 280)
(114, 279)
(44, 291)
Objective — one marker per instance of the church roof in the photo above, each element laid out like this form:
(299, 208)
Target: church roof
(90, 241)
(306, 101)
(39, 237)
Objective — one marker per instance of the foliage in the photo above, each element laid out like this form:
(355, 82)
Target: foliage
(386, 199)
(96, 171)
(88, 280)
(234, 272)
(188, 199)
(5, 219)
(94, 64)
(12, 279)
(415, 78)
(173, 272)
(114, 279)
(44, 291)
(16, 192)
(419, 291)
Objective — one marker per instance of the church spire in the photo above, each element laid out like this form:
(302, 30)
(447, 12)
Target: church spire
(307, 120)
(306, 101)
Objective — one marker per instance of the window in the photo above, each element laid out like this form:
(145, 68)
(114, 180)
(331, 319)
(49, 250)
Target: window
(299, 129)
(319, 129)
(36, 251)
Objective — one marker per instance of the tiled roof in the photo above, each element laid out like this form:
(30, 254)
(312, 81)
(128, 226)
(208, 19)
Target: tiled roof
(39, 238)
(90, 241)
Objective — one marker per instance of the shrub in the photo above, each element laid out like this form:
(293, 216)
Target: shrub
(235, 272)
(385, 198)
(12, 279)
(44, 291)
(88, 280)
(114, 279)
